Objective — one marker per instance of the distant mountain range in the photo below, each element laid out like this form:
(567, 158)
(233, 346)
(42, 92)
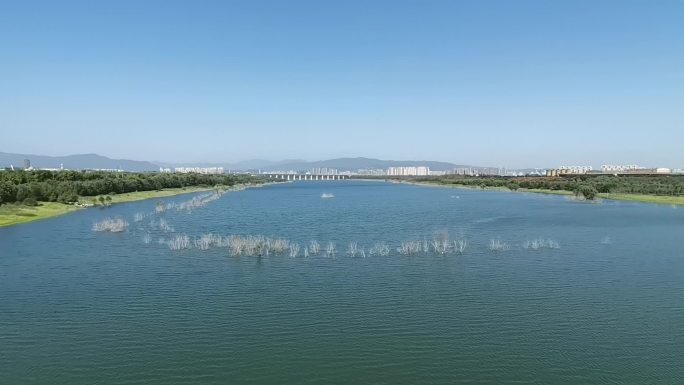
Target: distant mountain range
(342, 164)
(353, 164)
(77, 162)
(94, 161)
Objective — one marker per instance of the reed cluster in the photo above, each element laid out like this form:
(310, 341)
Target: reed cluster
(355, 251)
(258, 245)
(207, 241)
(198, 201)
(379, 249)
(179, 242)
(409, 247)
(441, 246)
(498, 245)
(314, 248)
(541, 243)
(165, 226)
(294, 250)
(330, 250)
(460, 245)
(160, 207)
(114, 225)
(162, 225)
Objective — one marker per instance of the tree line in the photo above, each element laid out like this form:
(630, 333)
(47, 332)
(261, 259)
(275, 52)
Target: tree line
(67, 186)
(588, 186)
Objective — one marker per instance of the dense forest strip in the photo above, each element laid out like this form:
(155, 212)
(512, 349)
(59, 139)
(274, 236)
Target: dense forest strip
(588, 186)
(30, 187)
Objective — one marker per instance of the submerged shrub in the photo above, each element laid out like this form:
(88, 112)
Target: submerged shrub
(353, 249)
(498, 245)
(460, 246)
(179, 242)
(587, 192)
(330, 249)
(114, 225)
(314, 247)
(379, 249)
(294, 250)
(409, 247)
(198, 201)
(541, 243)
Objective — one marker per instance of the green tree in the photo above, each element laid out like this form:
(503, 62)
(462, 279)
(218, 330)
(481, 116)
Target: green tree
(23, 192)
(587, 192)
(30, 201)
(8, 192)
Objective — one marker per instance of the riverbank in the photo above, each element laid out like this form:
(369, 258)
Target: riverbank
(658, 199)
(142, 195)
(13, 214)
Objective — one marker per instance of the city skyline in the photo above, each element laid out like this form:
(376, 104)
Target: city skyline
(518, 84)
(368, 166)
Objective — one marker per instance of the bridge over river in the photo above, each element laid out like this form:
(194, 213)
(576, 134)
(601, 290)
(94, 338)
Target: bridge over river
(307, 176)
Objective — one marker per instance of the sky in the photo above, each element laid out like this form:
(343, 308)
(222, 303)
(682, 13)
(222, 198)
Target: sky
(500, 83)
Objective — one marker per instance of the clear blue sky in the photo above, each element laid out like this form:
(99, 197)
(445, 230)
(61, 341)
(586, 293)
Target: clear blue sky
(512, 83)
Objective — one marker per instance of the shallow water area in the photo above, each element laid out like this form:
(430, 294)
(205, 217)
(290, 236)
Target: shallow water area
(544, 290)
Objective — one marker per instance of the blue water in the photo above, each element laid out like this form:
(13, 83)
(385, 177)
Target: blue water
(606, 307)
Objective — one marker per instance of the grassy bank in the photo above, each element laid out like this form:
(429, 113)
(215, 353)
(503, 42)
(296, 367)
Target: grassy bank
(660, 199)
(12, 214)
(666, 200)
(644, 198)
(141, 195)
(544, 191)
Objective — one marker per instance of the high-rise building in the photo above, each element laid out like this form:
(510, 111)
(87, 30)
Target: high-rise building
(199, 170)
(408, 171)
(574, 169)
(609, 168)
(324, 171)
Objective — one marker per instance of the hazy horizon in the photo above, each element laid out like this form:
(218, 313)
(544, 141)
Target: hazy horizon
(513, 84)
(276, 162)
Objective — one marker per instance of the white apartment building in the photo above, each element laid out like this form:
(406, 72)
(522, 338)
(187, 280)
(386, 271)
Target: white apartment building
(199, 170)
(618, 168)
(324, 171)
(408, 171)
(574, 169)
